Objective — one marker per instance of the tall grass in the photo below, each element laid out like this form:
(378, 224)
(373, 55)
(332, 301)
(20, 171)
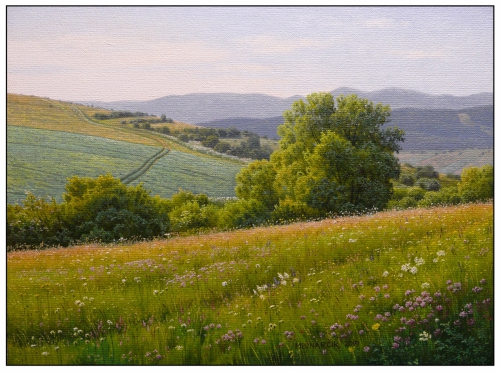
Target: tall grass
(412, 286)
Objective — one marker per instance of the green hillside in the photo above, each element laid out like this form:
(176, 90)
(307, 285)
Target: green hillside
(49, 141)
(40, 160)
(398, 288)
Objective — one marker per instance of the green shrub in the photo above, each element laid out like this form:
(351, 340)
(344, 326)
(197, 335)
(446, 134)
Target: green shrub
(428, 184)
(289, 210)
(242, 213)
(476, 184)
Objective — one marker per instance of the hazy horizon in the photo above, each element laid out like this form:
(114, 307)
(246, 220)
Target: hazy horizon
(143, 53)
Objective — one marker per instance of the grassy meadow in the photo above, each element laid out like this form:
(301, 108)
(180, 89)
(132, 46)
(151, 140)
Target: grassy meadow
(49, 141)
(405, 287)
(181, 170)
(40, 160)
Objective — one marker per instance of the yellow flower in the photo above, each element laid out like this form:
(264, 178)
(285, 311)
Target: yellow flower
(375, 326)
(351, 349)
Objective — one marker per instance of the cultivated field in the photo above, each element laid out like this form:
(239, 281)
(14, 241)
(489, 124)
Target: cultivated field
(49, 141)
(407, 287)
(448, 161)
(180, 170)
(40, 160)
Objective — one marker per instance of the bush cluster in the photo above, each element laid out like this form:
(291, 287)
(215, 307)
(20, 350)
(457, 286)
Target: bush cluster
(249, 147)
(103, 209)
(476, 185)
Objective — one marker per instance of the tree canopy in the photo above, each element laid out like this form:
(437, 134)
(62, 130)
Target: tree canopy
(334, 156)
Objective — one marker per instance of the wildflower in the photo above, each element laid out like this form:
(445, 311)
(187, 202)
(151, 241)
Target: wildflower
(477, 289)
(387, 295)
(463, 314)
(366, 349)
(179, 347)
(414, 270)
(375, 326)
(377, 289)
(470, 322)
(395, 345)
(385, 273)
(419, 261)
(45, 353)
(224, 284)
(361, 331)
(441, 253)
(424, 336)
(482, 281)
(439, 308)
(324, 352)
(425, 285)
(351, 349)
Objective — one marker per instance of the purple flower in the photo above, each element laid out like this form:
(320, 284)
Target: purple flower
(263, 342)
(256, 341)
(437, 294)
(439, 308)
(397, 339)
(463, 314)
(437, 332)
(361, 331)
(449, 281)
(395, 345)
(482, 281)
(333, 334)
(477, 289)
(366, 349)
(470, 321)
(303, 317)
(158, 357)
(387, 295)
(378, 316)
(377, 289)
(324, 352)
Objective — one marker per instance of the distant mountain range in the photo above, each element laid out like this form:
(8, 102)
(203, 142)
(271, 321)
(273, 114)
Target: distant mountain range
(434, 129)
(200, 108)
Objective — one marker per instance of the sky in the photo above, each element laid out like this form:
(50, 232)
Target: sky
(142, 53)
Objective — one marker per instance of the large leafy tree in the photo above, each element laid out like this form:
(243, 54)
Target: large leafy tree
(334, 155)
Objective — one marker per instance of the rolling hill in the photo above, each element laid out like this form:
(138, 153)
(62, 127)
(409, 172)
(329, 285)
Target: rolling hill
(49, 141)
(425, 129)
(205, 107)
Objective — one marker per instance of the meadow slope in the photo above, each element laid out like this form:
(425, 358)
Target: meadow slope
(49, 141)
(406, 287)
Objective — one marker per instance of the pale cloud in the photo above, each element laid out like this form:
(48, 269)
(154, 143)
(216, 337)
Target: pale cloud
(271, 44)
(416, 54)
(379, 23)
